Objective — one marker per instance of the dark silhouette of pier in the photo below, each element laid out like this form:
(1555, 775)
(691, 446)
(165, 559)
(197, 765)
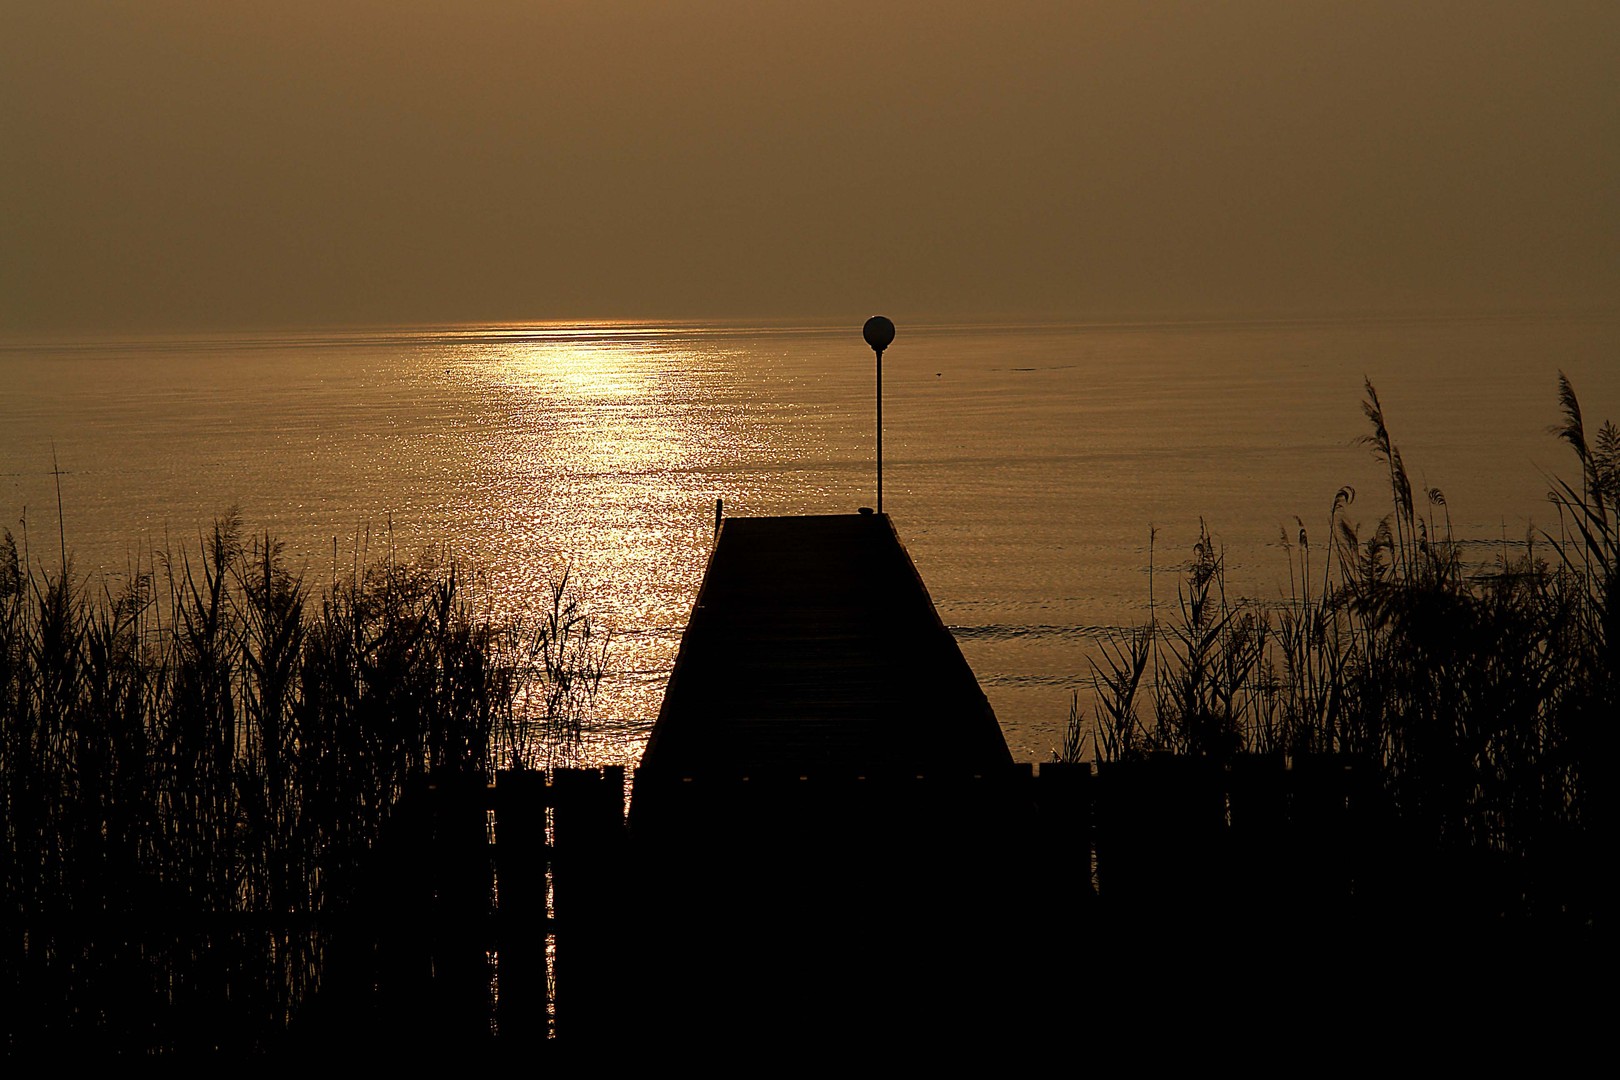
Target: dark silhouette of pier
(825, 797)
(814, 647)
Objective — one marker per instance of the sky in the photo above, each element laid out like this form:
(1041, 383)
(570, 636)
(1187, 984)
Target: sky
(174, 165)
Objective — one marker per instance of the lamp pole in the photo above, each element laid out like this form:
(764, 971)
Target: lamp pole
(879, 332)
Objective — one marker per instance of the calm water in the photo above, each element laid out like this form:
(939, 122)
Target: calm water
(1026, 467)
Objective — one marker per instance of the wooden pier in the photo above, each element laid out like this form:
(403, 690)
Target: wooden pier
(826, 787)
(814, 646)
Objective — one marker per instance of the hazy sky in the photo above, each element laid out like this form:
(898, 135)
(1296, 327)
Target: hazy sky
(170, 164)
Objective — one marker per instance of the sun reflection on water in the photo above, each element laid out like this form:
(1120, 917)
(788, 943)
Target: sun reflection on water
(602, 455)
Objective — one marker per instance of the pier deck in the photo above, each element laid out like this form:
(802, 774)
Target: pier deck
(815, 647)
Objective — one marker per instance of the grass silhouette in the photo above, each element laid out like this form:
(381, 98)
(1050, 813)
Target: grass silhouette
(194, 769)
(1477, 693)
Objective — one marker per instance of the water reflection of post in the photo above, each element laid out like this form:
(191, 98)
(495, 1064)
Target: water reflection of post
(879, 332)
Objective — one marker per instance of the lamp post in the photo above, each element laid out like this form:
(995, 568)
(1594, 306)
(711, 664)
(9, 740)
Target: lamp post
(879, 332)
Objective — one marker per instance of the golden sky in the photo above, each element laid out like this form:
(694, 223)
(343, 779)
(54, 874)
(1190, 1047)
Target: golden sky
(180, 164)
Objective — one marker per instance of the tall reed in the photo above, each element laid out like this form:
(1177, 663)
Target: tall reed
(193, 769)
(1477, 692)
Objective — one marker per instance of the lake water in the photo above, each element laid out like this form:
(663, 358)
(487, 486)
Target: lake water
(1026, 467)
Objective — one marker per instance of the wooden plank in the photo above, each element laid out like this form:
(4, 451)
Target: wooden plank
(521, 857)
(588, 898)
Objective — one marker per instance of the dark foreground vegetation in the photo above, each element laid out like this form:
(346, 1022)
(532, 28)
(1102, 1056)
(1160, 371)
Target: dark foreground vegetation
(198, 774)
(1478, 693)
(194, 770)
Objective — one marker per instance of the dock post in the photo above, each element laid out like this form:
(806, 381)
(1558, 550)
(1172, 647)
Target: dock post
(521, 865)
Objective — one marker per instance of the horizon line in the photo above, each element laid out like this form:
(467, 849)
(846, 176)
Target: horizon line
(594, 329)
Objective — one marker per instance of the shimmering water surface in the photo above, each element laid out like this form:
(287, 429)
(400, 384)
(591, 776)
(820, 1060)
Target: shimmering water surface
(1026, 467)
